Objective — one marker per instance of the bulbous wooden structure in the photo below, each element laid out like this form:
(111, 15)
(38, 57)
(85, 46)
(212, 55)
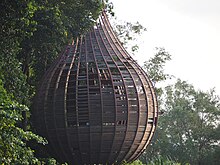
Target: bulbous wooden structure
(95, 104)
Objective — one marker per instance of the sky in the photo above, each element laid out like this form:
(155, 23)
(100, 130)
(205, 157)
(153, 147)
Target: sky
(188, 29)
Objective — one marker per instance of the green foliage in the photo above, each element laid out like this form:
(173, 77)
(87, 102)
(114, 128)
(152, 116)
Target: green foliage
(14, 28)
(128, 32)
(162, 161)
(136, 162)
(124, 30)
(13, 79)
(195, 117)
(13, 139)
(155, 66)
(155, 161)
(188, 131)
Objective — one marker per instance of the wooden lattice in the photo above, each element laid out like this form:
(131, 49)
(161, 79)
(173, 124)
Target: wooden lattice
(96, 105)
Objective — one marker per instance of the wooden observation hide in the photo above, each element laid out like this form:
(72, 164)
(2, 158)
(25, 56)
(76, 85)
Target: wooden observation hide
(95, 104)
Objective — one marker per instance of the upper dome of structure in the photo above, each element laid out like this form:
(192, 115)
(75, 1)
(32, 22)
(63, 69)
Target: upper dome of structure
(95, 104)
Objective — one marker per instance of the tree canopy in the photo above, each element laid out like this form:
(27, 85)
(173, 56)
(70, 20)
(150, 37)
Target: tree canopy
(13, 139)
(188, 129)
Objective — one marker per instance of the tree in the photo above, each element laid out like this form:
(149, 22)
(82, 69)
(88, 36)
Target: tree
(155, 66)
(13, 139)
(128, 32)
(188, 131)
(15, 26)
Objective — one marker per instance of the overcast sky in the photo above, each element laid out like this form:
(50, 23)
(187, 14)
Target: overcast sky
(188, 29)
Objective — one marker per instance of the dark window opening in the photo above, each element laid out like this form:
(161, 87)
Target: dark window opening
(122, 122)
